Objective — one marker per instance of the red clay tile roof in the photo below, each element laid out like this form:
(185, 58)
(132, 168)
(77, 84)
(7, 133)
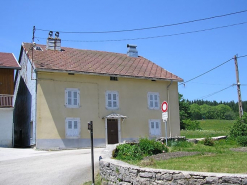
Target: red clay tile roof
(96, 62)
(7, 60)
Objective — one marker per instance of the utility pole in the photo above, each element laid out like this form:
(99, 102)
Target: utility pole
(33, 34)
(238, 88)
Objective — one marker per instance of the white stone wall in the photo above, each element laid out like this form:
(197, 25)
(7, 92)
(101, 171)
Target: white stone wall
(117, 172)
(6, 127)
(28, 74)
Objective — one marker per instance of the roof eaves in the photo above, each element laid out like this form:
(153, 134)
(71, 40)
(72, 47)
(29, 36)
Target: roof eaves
(107, 74)
(10, 67)
(19, 67)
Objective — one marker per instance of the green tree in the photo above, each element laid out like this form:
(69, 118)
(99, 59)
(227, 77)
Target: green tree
(205, 111)
(184, 110)
(221, 110)
(195, 112)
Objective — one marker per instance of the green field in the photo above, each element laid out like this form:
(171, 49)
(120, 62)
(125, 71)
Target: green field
(210, 128)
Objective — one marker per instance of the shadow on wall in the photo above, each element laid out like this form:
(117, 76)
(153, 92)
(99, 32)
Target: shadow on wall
(22, 116)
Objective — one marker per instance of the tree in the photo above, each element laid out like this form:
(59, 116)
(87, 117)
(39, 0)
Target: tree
(184, 110)
(221, 110)
(195, 112)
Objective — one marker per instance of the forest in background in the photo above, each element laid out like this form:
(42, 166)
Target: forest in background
(204, 109)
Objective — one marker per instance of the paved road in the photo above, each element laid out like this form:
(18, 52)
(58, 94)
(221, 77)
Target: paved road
(28, 166)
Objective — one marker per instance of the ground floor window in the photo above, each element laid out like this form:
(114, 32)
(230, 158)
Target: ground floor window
(72, 127)
(154, 127)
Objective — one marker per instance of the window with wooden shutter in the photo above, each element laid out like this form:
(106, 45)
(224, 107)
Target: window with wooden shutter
(112, 100)
(72, 98)
(72, 128)
(153, 100)
(154, 128)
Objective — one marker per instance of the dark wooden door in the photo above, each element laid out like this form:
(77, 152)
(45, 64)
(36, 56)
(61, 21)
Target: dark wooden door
(112, 131)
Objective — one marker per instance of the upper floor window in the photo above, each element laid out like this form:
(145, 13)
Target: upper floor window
(113, 78)
(153, 100)
(112, 100)
(72, 98)
(72, 127)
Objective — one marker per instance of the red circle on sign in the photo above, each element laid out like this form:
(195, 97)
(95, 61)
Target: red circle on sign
(164, 106)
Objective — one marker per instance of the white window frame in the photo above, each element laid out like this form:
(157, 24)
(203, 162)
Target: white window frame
(154, 132)
(112, 93)
(152, 103)
(72, 91)
(72, 133)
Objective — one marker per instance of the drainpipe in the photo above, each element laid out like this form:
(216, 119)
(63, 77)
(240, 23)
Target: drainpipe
(168, 98)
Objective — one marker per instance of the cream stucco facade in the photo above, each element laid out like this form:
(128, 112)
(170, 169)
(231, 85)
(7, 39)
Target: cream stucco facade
(133, 103)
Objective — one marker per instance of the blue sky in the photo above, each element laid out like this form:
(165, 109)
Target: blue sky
(185, 55)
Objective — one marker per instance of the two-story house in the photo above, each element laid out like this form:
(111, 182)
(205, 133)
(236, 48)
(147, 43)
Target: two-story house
(8, 64)
(65, 88)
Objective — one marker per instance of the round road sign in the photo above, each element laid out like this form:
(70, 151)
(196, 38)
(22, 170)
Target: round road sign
(164, 106)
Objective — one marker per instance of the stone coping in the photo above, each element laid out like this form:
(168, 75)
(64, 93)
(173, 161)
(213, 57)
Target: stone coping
(119, 172)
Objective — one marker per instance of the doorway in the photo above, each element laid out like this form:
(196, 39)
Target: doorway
(112, 131)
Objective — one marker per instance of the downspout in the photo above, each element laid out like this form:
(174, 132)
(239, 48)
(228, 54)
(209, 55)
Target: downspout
(168, 98)
(35, 117)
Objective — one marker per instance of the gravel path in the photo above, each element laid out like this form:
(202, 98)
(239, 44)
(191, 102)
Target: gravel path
(241, 149)
(169, 155)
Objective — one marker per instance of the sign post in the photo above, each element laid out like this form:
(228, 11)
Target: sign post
(90, 128)
(164, 108)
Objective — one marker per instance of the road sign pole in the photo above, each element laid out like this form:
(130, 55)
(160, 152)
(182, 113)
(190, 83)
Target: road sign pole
(166, 131)
(164, 108)
(90, 127)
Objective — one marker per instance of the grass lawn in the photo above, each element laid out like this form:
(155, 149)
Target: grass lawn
(218, 158)
(234, 162)
(210, 128)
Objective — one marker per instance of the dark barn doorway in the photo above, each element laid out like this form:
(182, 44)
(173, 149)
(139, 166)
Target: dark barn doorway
(22, 116)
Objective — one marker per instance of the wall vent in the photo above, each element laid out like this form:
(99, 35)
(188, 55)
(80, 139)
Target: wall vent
(113, 78)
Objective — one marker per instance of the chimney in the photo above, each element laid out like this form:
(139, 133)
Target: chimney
(132, 52)
(53, 43)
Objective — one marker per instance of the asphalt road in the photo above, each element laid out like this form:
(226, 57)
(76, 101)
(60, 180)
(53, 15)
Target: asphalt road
(32, 167)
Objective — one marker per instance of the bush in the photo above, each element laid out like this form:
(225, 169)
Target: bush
(208, 141)
(242, 140)
(151, 147)
(191, 125)
(128, 152)
(145, 147)
(239, 131)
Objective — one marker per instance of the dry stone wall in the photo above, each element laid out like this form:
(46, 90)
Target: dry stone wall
(117, 172)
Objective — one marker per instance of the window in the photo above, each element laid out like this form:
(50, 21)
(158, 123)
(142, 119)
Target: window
(72, 98)
(113, 78)
(72, 126)
(154, 127)
(153, 100)
(112, 100)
